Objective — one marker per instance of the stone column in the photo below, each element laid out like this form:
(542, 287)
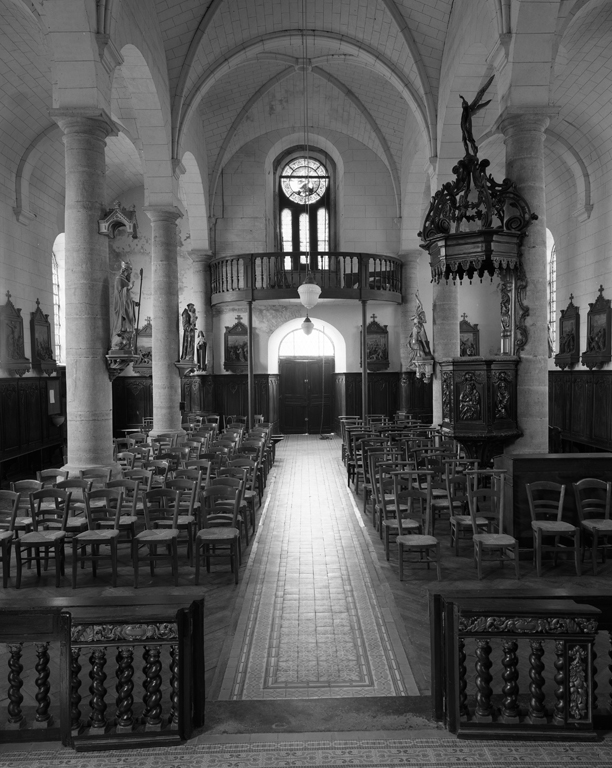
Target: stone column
(201, 298)
(445, 341)
(166, 342)
(88, 387)
(524, 139)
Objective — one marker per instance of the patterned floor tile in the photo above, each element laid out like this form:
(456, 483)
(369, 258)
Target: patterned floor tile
(314, 623)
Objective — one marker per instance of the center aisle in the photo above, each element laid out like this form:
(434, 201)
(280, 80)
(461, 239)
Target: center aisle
(315, 621)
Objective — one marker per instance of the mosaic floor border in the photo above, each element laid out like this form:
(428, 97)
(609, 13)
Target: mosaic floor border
(289, 643)
(366, 753)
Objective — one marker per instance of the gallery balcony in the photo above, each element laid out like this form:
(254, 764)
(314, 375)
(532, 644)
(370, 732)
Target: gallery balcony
(275, 276)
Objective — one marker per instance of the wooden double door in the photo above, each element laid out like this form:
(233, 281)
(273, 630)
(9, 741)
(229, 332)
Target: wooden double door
(306, 394)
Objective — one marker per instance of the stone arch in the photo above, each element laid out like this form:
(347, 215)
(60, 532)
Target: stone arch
(264, 45)
(153, 128)
(195, 201)
(334, 334)
(284, 143)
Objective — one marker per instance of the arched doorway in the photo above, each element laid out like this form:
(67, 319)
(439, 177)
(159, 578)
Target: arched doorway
(306, 367)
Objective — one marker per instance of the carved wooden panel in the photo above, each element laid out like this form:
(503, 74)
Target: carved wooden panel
(602, 408)
(581, 407)
(582, 396)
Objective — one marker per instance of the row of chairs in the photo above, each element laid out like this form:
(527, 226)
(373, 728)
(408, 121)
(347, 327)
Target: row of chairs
(238, 475)
(448, 485)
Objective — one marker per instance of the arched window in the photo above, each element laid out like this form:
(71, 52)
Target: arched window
(59, 313)
(551, 289)
(297, 344)
(304, 208)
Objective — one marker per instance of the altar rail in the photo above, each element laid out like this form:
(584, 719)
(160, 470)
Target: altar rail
(341, 275)
(141, 662)
(522, 664)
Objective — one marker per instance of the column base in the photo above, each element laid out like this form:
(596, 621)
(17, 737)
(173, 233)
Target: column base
(74, 469)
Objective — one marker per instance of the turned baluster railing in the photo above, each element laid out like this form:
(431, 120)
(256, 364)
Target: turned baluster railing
(141, 664)
(525, 665)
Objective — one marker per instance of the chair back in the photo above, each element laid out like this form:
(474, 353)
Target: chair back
(229, 482)
(188, 491)
(25, 488)
(408, 492)
(485, 492)
(50, 506)
(593, 498)
(220, 506)
(195, 474)
(77, 487)
(144, 477)
(49, 477)
(109, 509)
(161, 504)
(131, 491)
(159, 470)
(98, 475)
(126, 460)
(9, 504)
(545, 500)
(138, 437)
(141, 453)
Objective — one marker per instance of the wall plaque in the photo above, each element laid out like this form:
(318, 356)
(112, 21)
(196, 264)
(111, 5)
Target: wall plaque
(569, 336)
(236, 347)
(42, 341)
(12, 352)
(598, 333)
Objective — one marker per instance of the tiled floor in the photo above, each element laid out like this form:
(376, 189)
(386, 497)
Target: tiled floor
(315, 622)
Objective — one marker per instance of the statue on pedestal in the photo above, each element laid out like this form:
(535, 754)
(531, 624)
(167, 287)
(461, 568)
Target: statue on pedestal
(189, 319)
(201, 347)
(124, 309)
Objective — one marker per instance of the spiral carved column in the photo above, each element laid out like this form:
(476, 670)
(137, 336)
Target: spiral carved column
(43, 717)
(560, 682)
(173, 718)
(97, 690)
(124, 689)
(15, 697)
(537, 712)
(484, 709)
(152, 685)
(510, 706)
(75, 697)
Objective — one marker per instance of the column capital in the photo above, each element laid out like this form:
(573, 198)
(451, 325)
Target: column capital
(201, 255)
(89, 121)
(168, 213)
(517, 118)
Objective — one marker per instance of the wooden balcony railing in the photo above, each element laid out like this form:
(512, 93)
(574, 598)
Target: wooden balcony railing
(341, 275)
(109, 674)
(521, 663)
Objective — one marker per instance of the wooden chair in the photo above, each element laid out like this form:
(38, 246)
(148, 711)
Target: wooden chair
(131, 505)
(239, 485)
(189, 490)
(219, 535)
(248, 494)
(99, 476)
(49, 477)
(461, 523)
(9, 504)
(593, 502)
(251, 465)
(159, 472)
(418, 502)
(546, 508)
(77, 518)
(47, 506)
(388, 499)
(156, 505)
(24, 488)
(126, 460)
(103, 510)
(488, 498)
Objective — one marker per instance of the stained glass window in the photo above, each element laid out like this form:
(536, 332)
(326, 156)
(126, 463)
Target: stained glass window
(56, 309)
(304, 211)
(551, 285)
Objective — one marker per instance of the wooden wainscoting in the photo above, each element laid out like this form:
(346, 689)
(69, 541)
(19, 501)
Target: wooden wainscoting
(580, 410)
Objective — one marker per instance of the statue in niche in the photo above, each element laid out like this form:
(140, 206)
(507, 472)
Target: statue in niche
(418, 342)
(201, 347)
(189, 319)
(124, 309)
